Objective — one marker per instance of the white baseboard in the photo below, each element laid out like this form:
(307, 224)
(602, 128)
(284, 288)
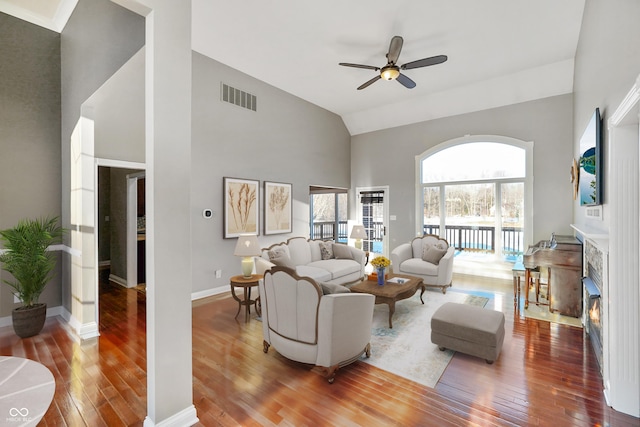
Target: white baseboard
(119, 280)
(79, 330)
(51, 312)
(186, 417)
(209, 292)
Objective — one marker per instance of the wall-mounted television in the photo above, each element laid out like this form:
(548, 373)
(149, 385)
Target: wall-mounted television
(591, 162)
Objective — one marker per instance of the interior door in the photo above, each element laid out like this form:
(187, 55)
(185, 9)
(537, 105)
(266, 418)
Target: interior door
(373, 215)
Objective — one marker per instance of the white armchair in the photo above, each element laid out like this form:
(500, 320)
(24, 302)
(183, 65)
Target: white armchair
(429, 257)
(328, 331)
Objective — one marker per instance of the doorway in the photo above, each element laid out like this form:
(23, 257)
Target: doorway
(373, 214)
(121, 224)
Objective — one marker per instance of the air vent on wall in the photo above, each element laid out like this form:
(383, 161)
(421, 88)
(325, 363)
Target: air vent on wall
(239, 97)
(594, 212)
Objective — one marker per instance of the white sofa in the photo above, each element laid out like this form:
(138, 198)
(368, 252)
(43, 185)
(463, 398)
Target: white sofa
(302, 324)
(340, 265)
(429, 257)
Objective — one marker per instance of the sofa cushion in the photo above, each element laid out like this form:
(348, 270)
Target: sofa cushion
(314, 246)
(326, 250)
(316, 273)
(299, 250)
(419, 266)
(337, 267)
(433, 254)
(280, 256)
(341, 251)
(418, 244)
(333, 288)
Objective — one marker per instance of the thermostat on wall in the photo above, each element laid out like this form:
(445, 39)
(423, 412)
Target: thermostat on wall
(207, 213)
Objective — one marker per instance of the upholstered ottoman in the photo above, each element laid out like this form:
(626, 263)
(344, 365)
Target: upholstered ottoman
(469, 329)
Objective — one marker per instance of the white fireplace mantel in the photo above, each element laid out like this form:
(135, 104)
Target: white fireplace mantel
(598, 237)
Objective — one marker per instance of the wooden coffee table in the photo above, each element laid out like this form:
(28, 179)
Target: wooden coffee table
(390, 292)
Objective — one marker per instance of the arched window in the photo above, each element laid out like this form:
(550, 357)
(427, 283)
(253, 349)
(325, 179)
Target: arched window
(476, 192)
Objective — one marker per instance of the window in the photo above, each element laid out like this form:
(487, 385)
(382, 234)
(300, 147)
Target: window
(328, 213)
(472, 193)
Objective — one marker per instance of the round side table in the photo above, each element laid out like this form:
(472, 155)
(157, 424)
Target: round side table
(246, 283)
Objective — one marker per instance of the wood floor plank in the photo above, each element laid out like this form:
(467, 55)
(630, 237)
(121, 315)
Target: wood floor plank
(546, 375)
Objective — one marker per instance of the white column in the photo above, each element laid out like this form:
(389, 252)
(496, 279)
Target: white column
(168, 222)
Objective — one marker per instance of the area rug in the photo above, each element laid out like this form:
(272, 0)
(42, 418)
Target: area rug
(542, 313)
(26, 391)
(406, 349)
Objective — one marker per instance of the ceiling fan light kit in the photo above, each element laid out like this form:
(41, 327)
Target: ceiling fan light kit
(391, 71)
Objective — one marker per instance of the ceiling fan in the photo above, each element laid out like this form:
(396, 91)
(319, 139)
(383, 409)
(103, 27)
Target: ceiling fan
(391, 71)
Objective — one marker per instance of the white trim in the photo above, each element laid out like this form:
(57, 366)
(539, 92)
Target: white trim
(385, 218)
(209, 292)
(119, 280)
(528, 180)
(629, 102)
(132, 228)
(80, 331)
(55, 23)
(122, 164)
(186, 417)
(51, 312)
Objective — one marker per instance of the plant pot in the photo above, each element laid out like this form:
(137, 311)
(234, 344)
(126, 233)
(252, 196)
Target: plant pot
(28, 322)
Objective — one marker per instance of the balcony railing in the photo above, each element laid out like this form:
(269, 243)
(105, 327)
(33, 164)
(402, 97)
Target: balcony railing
(462, 237)
(327, 231)
(481, 238)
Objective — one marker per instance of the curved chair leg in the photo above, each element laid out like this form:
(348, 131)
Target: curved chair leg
(328, 372)
(367, 350)
(265, 346)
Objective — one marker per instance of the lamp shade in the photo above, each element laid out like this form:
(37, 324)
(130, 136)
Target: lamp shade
(247, 245)
(358, 232)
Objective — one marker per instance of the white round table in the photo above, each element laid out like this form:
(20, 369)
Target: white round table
(26, 391)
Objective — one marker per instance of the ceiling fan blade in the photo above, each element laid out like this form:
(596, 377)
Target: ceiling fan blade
(424, 62)
(367, 67)
(394, 49)
(406, 81)
(369, 83)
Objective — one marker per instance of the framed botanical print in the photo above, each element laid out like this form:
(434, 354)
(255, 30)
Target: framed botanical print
(278, 207)
(241, 211)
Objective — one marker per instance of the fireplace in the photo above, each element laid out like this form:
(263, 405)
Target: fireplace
(593, 324)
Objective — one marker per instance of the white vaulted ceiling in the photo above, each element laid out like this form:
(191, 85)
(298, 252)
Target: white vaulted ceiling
(500, 52)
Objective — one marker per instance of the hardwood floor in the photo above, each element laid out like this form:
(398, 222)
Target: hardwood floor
(546, 375)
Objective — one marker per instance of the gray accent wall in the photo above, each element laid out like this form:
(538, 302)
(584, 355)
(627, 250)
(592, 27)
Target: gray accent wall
(388, 158)
(606, 67)
(29, 133)
(286, 140)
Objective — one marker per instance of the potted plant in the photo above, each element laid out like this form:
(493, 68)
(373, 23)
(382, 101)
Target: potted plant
(26, 257)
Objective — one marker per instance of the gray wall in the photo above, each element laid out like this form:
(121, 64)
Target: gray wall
(546, 122)
(286, 140)
(29, 133)
(606, 67)
(98, 39)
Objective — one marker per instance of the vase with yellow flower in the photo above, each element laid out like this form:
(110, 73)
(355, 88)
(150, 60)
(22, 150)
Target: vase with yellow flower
(380, 263)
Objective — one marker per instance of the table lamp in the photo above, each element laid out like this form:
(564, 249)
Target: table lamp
(247, 247)
(358, 232)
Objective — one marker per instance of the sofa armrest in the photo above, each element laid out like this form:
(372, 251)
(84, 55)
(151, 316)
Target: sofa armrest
(445, 267)
(360, 256)
(399, 255)
(262, 265)
(344, 327)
